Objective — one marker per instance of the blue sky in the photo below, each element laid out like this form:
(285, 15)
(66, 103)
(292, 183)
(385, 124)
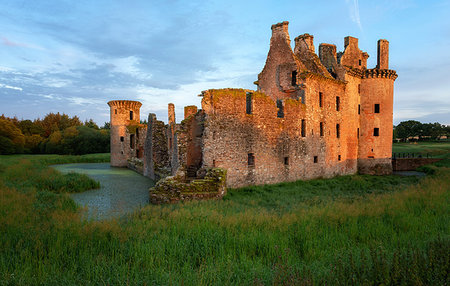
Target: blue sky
(74, 56)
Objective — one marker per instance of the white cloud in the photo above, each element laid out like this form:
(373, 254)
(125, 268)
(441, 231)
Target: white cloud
(10, 87)
(353, 6)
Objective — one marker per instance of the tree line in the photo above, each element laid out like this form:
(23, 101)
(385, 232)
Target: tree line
(415, 130)
(54, 134)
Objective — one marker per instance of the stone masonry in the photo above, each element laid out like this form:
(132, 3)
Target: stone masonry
(311, 116)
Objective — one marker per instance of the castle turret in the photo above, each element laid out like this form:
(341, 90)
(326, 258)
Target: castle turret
(124, 114)
(376, 115)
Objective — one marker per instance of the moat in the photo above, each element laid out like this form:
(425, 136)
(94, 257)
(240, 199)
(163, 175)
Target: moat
(122, 191)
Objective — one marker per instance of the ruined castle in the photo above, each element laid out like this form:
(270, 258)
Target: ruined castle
(311, 116)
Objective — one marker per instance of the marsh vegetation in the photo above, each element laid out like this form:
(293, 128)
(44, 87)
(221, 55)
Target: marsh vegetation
(346, 230)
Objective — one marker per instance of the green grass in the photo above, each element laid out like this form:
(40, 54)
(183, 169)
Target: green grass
(346, 230)
(436, 149)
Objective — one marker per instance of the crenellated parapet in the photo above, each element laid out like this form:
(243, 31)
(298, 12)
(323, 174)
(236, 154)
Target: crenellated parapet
(125, 104)
(380, 73)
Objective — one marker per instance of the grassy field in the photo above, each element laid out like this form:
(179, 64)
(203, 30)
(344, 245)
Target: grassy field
(437, 149)
(346, 230)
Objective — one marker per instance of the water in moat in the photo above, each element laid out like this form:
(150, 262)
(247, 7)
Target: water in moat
(122, 191)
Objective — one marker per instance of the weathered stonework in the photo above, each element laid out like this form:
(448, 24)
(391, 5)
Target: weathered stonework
(174, 189)
(311, 116)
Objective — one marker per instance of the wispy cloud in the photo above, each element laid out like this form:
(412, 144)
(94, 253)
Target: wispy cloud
(9, 43)
(10, 87)
(354, 12)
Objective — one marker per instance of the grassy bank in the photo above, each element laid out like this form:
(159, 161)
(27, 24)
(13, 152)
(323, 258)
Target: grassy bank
(345, 230)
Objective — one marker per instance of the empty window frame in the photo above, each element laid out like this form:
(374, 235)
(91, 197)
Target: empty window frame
(251, 159)
(131, 114)
(286, 161)
(303, 127)
(321, 128)
(320, 99)
(294, 78)
(280, 113)
(121, 138)
(376, 108)
(316, 159)
(132, 141)
(248, 101)
(338, 131)
(359, 108)
(376, 132)
(338, 103)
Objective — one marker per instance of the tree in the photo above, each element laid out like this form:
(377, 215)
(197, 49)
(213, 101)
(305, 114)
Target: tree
(11, 138)
(91, 124)
(407, 129)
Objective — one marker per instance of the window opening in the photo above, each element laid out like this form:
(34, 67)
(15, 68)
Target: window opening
(376, 132)
(320, 99)
(359, 108)
(316, 159)
(339, 157)
(280, 113)
(359, 88)
(121, 138)
(377, 108)
(338, 131)
(359, 62)
(303, 127)
(251, 159)
(286, 161)
(338, 103)
(357, 133)
(132, 141)
(248, 108)
(321, 128)
(131, 115)
(115, 111)
(294, 78)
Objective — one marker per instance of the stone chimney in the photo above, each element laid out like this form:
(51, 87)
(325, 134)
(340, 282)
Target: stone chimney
(350, 41)
(304, 43)
(281, 30)
(327, 55)
(383, 54)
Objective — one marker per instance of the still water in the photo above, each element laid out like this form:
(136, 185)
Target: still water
(122, 191)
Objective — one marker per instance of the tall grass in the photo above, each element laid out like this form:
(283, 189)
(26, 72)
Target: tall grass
(347, 230)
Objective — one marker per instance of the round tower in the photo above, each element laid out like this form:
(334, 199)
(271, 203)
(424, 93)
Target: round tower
(376, 116)
(123, 113)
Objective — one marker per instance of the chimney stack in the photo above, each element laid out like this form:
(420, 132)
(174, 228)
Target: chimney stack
(383, 54)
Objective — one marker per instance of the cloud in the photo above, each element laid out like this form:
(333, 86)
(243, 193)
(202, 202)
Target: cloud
(9, 43)
(10, 87)
(354, 12)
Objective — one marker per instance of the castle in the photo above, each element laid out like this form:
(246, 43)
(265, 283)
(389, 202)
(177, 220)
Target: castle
(311, 116)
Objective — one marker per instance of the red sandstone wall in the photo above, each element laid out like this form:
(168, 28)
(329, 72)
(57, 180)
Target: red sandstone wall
(230, 134)
(375, 151)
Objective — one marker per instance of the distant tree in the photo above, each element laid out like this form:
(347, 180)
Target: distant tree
(107, 125)
(11, 138)
(91, 124)
(407, 129)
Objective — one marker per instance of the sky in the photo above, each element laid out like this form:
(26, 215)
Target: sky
(74, 56)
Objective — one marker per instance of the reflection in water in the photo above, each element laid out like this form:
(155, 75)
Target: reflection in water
(122, 191)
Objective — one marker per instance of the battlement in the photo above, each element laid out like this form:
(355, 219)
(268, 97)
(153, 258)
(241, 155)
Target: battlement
(125, 104)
